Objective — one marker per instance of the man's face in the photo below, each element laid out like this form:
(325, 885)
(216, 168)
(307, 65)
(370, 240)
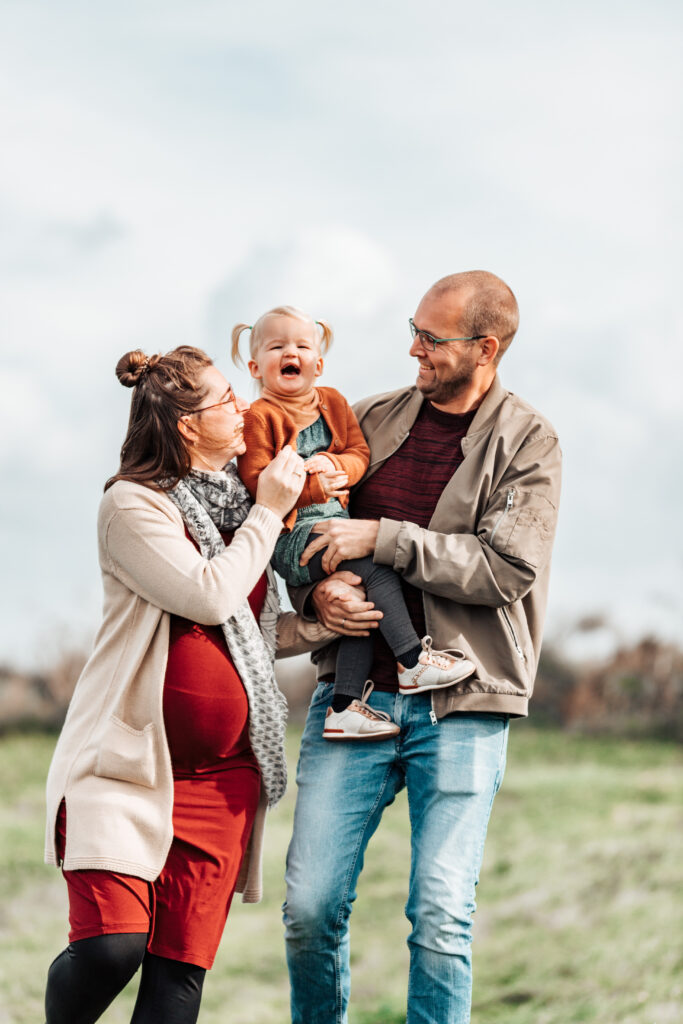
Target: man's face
(447, 372)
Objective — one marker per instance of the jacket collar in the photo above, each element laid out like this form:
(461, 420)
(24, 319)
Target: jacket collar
(396, 427)
(485, 414)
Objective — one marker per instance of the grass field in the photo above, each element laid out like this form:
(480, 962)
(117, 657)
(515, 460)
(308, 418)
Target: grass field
(580, 914)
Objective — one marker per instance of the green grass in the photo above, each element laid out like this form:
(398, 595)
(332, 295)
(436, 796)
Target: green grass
(579, 917)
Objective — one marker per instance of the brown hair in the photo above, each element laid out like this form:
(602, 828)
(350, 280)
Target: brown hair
(255, 337)
(154, 452)
(491, 307)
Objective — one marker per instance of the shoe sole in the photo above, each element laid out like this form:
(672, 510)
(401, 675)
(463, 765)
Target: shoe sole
(358, 737)
(434, 686)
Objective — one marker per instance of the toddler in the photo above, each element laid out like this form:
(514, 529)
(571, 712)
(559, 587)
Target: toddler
(286, 348)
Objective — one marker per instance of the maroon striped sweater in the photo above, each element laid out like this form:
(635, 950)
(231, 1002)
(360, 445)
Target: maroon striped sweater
(407, 487)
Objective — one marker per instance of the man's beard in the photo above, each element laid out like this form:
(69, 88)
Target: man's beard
(441, 392)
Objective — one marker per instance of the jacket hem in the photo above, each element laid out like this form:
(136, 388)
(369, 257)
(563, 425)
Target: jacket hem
(122, 867)
(515, 705)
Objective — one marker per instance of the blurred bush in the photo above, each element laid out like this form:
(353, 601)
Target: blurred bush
(636, 691)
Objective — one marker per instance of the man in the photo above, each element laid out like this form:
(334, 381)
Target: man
(460, 498)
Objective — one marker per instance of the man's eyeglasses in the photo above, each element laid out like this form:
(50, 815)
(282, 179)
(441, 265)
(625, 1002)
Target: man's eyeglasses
(230, 400)
(429, 342)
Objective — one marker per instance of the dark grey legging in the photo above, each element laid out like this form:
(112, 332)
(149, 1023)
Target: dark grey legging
(88, 975)
(383, 588)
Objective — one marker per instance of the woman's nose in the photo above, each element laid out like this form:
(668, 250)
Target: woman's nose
(241, 404)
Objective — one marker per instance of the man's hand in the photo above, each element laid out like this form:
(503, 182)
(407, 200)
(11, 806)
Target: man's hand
(319, 464)
(340, 604)
(343, 538)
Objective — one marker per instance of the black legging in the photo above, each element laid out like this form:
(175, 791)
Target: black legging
(88, 975)
(383, 588)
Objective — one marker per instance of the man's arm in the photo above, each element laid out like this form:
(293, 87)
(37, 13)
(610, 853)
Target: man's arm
(494, 566)
(338, 602)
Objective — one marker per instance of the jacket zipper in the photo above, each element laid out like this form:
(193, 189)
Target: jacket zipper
(508, 505)
(515, 641)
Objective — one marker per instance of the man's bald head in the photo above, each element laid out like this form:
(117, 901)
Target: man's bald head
(490, 307)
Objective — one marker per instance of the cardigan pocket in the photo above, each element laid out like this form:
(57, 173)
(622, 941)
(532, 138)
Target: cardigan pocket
(127, 754)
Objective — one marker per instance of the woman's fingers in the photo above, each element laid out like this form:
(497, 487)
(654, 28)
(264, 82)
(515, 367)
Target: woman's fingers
(281, 482)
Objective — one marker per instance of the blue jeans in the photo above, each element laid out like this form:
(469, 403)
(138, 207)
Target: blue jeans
(452, 771)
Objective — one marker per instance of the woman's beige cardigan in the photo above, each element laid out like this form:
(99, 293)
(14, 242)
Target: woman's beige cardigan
(111, 763)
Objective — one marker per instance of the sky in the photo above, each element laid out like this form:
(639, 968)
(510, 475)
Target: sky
(170, 169)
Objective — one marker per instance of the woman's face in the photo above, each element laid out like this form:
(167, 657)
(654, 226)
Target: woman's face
(215, 431)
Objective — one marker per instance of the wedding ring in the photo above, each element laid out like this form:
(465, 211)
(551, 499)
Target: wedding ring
(343, 621)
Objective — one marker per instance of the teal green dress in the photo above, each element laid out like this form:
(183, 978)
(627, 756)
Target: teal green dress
(311, 440)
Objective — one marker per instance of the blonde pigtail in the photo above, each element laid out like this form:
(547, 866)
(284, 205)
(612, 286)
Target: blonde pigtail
(235, 351)
(327, 336)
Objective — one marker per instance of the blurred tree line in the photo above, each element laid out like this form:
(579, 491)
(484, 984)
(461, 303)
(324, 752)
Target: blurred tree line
(636, 691)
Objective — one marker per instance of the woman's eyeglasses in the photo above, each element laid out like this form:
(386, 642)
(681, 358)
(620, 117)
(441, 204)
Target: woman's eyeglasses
(230, 400)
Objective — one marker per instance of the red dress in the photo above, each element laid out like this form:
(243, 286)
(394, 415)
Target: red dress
(216, 793)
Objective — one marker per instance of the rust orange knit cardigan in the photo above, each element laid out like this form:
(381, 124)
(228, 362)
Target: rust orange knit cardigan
(267, 429)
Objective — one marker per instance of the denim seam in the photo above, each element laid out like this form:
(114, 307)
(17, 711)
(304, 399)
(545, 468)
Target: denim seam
(345, 894)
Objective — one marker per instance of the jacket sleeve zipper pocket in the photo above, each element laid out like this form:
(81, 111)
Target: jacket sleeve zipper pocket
(508, 505)
(515, 641)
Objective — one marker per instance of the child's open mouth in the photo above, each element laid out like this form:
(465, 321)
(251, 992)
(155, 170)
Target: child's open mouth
(290, 371)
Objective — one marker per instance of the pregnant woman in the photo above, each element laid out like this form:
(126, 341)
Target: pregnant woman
(173, 744)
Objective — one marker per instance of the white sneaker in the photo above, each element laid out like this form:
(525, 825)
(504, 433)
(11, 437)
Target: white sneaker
(434, 669)
(359, 721)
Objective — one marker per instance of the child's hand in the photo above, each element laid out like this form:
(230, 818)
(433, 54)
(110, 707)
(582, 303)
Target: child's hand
(319, 464)
(334, 484)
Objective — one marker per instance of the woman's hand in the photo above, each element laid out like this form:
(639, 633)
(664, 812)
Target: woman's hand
(281, 482)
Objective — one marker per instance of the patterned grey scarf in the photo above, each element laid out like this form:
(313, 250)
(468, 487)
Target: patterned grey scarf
(209, 502)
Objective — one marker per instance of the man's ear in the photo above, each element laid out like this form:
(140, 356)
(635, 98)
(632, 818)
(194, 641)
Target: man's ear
(489, 350)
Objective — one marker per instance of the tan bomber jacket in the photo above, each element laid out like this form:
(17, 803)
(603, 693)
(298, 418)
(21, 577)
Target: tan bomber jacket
(483, 564)
(112, 763)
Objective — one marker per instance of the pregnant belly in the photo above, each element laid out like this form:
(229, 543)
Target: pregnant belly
(205, 706)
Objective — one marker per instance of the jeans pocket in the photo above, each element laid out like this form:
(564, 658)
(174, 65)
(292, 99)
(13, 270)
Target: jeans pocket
(321, 694)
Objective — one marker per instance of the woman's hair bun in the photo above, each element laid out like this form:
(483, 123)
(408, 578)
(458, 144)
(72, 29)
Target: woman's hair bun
(132, 367)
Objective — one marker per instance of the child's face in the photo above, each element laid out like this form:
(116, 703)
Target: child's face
(288, 359)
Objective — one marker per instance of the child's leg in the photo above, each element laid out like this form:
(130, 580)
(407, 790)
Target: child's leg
(354, 657)
(383, 588)
(420, 668)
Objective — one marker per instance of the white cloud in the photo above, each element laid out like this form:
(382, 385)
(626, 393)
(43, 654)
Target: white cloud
(169, 169)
